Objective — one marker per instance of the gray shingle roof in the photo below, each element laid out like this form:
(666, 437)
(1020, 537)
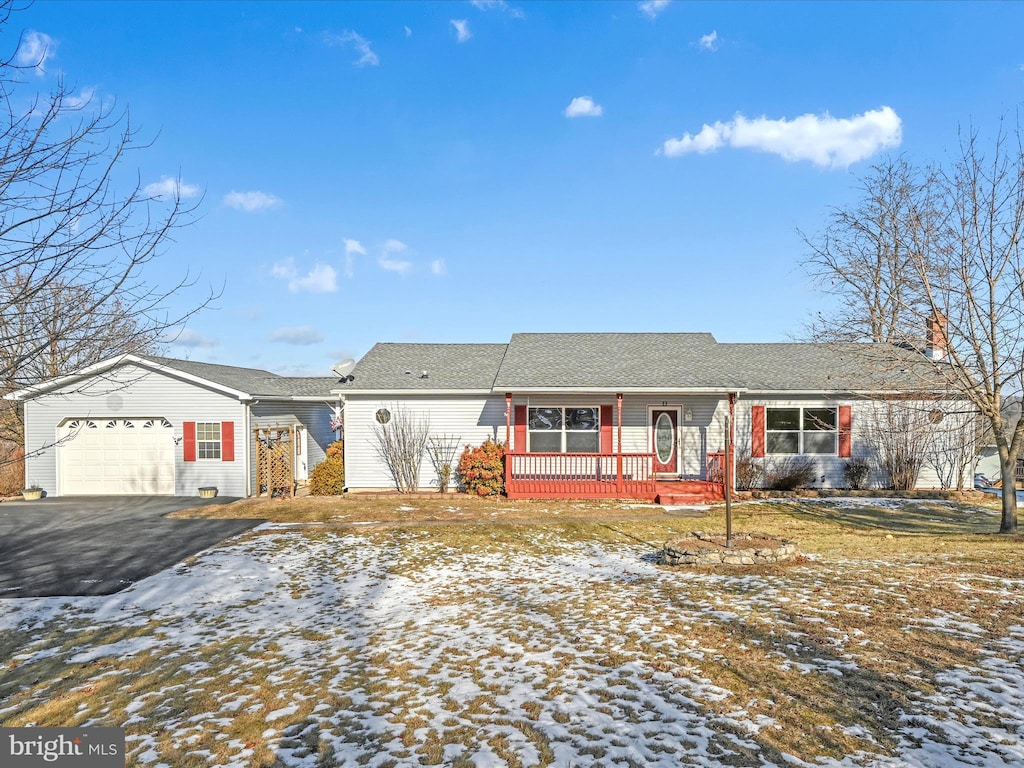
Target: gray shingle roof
(601, 360)
(828, 367)
(253, 381)
(656, 361)
(391, 367)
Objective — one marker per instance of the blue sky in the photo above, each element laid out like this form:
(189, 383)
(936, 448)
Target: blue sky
(458, 172)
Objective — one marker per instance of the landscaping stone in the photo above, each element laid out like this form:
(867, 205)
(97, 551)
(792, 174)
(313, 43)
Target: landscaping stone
(700, 548)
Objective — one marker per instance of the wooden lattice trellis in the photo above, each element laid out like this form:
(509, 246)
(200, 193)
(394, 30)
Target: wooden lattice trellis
(275, 460)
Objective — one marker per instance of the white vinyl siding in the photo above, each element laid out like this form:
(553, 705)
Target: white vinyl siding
(474, 418)
(132, 392)
(468, 420)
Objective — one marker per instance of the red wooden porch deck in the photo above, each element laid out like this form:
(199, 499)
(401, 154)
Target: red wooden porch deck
(602, 476)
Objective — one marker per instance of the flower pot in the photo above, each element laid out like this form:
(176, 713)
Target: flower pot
(31, 494)
(209, 492)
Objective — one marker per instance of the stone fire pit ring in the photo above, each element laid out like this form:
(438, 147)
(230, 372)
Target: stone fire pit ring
(700, 548)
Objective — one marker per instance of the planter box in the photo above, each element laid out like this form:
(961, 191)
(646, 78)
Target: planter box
(31, 494)
(209, 492)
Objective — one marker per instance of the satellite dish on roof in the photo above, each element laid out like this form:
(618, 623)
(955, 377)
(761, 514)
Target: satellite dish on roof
(344, 368)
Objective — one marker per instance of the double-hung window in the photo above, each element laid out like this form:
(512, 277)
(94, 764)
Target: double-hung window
(802, 430)
(208, 442)
(564, 430)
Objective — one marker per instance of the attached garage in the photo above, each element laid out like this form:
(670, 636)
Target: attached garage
(115, 456)
(154, 426)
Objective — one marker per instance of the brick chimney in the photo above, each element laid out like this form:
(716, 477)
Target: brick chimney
(935, 337)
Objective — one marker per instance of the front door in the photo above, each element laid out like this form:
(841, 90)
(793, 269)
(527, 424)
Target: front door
(664, 428)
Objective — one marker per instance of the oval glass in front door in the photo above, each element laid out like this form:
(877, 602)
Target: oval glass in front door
(664, 438)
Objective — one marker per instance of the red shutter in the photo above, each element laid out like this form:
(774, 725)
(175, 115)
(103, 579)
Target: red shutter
(606, 429)
(757, 431)
(845, 424)
(188, 430)
(227, 441)
(519, 432)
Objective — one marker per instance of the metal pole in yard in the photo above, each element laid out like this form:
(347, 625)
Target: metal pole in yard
(728, 485)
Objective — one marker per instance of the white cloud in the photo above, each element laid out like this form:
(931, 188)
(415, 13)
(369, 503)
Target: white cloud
(408, 31)
(462, 33)
(498, 5)
(352, 249)
(301, 336)
(388, 264)
(823, 140)
(651, 8)
(583, 106)
(437, 267)
(322, 278)
(35, 50)
(352, 39)
(251, 201)
(168, 186)
(189, 338)
(709, 42)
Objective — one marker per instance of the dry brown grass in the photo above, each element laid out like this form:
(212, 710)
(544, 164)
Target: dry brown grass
(877, 576)
(420, 508)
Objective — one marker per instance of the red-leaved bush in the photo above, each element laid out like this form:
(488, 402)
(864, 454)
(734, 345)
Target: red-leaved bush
(482, 469)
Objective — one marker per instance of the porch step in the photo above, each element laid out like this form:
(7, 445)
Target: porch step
(687, 493)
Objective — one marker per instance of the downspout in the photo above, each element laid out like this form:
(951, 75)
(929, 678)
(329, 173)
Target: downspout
(339, 410)
(248, 447)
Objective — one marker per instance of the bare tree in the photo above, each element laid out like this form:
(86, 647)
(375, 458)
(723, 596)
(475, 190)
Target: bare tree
(76, 232)
(76, 339)
(960, 274)
(400, 440)
(972, 275)
(862, 261)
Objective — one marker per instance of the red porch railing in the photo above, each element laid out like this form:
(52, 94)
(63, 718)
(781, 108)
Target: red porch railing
(579, 475)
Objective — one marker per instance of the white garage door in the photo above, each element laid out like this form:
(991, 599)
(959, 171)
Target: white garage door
(116, 456)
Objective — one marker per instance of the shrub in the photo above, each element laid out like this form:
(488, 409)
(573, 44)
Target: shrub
(328, 477)
(482, 469)
(748, 473)
(857, 471)
(790, 473)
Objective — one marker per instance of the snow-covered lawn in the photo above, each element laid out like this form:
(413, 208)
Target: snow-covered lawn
(563, 645)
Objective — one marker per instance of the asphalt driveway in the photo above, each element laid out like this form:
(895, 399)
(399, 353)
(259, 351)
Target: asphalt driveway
(96, 545)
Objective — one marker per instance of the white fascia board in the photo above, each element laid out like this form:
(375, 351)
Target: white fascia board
(781, 393)
(60, 381)
(113, 362)
(293, 398)
(410, 392)
(623, 390)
